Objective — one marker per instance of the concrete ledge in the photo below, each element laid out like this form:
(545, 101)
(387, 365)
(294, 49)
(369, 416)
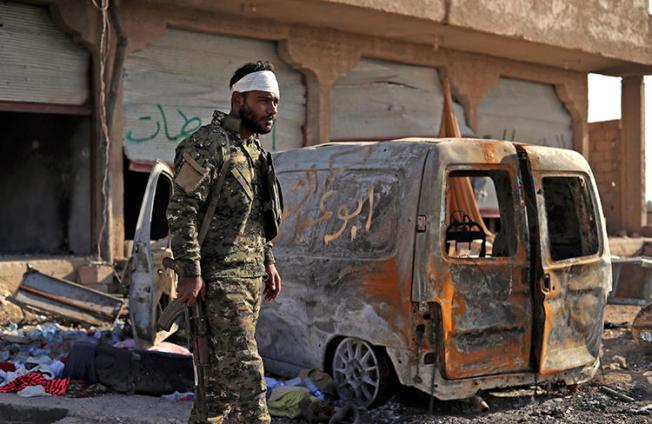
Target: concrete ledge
(12, 269)
(11, 274)
(627, 246)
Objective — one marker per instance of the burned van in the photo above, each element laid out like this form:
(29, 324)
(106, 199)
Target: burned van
(451, 265)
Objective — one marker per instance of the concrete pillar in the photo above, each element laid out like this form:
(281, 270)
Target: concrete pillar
(318, 100)
(633, 139)
(322, 60)
(574, 94)
(471, 79)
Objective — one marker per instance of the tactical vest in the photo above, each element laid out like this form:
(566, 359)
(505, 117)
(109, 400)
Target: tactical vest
(272, 196)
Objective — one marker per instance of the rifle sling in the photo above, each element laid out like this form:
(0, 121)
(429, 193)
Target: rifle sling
(215, 198)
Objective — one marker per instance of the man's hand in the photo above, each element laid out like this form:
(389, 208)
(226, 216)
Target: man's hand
(272, 282)
(189, 288)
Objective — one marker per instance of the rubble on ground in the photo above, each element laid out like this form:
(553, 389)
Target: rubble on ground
(626, 372)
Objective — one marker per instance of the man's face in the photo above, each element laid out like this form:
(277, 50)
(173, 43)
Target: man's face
(258, 111)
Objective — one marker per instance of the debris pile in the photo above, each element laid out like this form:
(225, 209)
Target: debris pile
(33, 358)
(50, 359)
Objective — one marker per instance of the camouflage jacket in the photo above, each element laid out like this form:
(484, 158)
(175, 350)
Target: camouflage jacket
(235, 244)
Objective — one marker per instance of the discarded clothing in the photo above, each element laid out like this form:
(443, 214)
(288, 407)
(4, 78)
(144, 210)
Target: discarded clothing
(282, 391)
(79, 389)
(33, 391)
(80, 364)
(168, 347)
(57, 368)
(165, 347)
(125, 344)
(7, 366)
(53, 387)
(176, 396)
(286, 404)
(10, 376)
(38, 360)
(323, 381)
(273, 383)
(45, 371)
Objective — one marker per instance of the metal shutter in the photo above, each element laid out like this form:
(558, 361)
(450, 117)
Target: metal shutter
(38, 62)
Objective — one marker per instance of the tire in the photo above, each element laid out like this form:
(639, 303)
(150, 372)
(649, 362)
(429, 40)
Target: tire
(363, 373)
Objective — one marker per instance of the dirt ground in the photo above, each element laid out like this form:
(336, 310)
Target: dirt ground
(626, 369)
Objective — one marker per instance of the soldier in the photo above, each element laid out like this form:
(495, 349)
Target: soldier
(234, 267)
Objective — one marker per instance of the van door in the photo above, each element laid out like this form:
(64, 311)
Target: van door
(151, 286)
(574, 272)
(481, 264)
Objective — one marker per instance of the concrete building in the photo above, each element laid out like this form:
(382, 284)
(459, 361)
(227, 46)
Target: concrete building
(81, 122)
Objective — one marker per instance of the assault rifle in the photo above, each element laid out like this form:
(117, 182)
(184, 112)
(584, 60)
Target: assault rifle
(196, 326)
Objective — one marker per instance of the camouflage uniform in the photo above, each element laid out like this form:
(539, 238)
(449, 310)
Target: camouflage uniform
(231, 260)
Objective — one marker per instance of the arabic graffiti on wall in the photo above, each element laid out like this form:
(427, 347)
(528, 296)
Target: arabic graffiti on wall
(157, 127)
(190, 125)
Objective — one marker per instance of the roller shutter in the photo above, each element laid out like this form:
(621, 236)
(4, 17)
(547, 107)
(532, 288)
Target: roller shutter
(39, 63)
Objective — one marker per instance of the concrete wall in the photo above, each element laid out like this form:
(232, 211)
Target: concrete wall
(618, 28)
(434, 10)
(605, 158)
(581, 34)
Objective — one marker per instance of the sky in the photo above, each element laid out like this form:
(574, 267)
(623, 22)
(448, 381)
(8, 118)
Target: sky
(604, 105)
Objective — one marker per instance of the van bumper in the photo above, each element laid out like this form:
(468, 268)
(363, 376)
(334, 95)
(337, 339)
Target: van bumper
(445, 389)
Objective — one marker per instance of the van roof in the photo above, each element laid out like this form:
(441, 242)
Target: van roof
(429, 141)
(407, 152)
(420, 140)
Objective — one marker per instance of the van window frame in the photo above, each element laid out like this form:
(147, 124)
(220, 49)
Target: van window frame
(543, 215)
(513, 175)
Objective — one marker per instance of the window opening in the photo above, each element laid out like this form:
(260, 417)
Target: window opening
(134, 192)
(480, 222)
(572, 229)
(46, 184)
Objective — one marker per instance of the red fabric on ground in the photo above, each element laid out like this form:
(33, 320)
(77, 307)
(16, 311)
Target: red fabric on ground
(7, 366)
(53, 387)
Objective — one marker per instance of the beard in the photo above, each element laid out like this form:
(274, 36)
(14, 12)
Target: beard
(250, 121)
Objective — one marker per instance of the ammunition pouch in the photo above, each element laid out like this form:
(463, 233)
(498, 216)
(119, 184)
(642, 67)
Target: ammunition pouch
(272, 199)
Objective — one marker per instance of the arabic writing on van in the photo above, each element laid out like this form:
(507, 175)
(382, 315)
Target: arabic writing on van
(190, 125)
(309, 186)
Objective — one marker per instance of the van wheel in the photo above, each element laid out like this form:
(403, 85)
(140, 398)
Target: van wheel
(362, 373)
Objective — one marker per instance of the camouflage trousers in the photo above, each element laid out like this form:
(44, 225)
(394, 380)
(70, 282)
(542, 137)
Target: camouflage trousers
(235, 381)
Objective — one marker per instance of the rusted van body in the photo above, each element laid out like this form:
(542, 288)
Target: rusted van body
(379, 281)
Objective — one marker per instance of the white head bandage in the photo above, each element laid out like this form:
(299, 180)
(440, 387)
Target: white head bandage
(257, 81)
